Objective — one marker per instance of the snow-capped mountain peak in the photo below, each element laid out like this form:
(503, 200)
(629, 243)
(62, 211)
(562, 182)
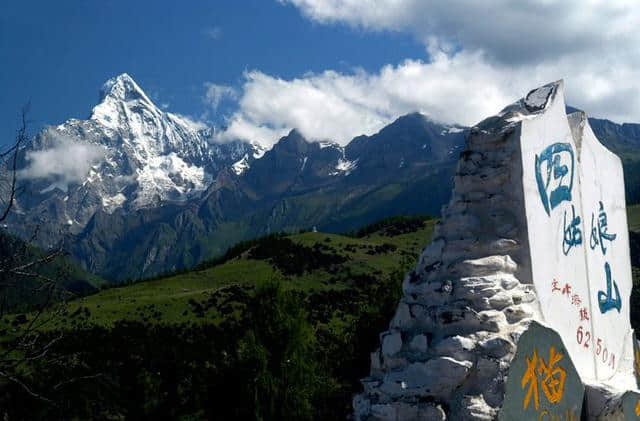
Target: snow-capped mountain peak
(147, 156)
(124, 103)
(123, 88)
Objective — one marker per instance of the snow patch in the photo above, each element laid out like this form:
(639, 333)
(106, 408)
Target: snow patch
(451, 130)
(187, 122)
(258, 150)
(345, 167)
(242, 165)
(169, 177)
(328, 144)
(112, 203)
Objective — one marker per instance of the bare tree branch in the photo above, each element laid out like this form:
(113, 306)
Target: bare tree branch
(46, 259)
(13, 151)
(24, 386)
(21, 269)
(76, 379)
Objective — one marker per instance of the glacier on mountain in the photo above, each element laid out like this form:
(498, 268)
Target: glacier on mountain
(147, 157)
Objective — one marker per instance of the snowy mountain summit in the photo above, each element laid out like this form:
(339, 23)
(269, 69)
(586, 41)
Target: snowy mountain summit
(133, 191)
(129, 154)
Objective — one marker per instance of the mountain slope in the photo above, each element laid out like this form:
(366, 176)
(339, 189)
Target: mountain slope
(196, 339)
(624, 141)
(197, 335)
(406, 168)
(307, 261)
(128, 155)
(296, 185)
(152, 192)
(20, 292)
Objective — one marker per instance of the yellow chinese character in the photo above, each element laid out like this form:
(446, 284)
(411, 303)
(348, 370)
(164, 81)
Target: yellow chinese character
(638, 362)
(638, 408)
(530, 378)
(554, 376)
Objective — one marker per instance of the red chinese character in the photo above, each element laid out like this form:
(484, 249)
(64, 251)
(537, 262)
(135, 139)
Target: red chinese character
(584, 314)
(554, 286)
(566, 290)
(575, 300)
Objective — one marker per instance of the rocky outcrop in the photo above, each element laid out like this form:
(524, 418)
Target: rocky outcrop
(448, 348)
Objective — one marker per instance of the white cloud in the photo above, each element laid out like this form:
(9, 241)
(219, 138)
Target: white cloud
(509, 31)
(482, 55)
(63, 162)
(592, 43)
(339, 106)
(463, 88)
(215, 94)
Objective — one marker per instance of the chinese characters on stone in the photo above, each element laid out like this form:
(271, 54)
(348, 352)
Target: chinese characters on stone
(554, 169)
(548, 376)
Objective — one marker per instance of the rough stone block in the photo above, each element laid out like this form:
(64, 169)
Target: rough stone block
(402, 319)
(542, 380)
(391, 343)
(436, 377)
(419, 343)
(535, 231)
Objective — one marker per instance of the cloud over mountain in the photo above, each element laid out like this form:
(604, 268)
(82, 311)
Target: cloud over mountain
(339, 106)
(480, 57)
(65, 161)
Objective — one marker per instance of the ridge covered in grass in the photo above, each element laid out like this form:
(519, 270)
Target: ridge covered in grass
(280, 327)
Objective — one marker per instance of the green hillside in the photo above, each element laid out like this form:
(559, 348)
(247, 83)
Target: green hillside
(21, 292)
(380, 250)
(280, 328)
(233, 340)
(633, 218)
(309, 262)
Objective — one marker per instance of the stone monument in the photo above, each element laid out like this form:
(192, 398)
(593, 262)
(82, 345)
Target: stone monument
(519, 307)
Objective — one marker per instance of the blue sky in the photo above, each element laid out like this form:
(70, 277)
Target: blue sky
(58, 54)
(332, 68)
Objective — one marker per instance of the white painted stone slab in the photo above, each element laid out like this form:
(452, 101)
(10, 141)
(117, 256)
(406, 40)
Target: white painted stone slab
(607, 254)
(565, 180)
(514, 247)
(551, 185)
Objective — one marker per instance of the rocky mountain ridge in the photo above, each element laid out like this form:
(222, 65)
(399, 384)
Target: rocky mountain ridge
(296, 185)
(161, 195)
(127, 155)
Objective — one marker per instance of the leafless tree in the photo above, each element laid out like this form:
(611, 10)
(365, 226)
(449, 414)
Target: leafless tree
(20, 270)
(9, 168)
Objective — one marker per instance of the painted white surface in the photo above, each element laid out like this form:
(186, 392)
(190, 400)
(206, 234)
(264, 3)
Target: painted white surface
(602, 182)
(549, 263)
(562, 256)
(490, 271)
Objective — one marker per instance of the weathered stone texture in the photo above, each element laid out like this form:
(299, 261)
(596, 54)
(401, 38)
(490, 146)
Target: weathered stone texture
(450, 346)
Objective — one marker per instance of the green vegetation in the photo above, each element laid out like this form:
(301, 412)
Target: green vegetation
(393, 226)
(633, 218)
(278, 328)
(23, 289)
